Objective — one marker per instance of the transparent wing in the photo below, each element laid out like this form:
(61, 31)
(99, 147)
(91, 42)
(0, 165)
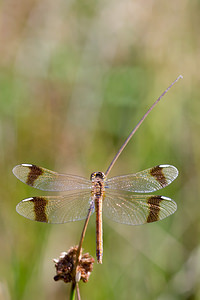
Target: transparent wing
(57, 209)
(145, 181)
(46, 180)
(127, 208)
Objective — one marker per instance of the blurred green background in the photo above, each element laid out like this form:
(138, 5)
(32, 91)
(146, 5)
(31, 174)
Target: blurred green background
(75, 78)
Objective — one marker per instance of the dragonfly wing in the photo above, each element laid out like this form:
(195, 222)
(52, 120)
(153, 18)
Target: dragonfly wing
(57, 209)
(145, 181)
(46, 180)
(127, 208)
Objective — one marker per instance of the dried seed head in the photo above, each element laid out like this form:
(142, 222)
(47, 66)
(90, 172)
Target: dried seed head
(85, 266)
(66, 266)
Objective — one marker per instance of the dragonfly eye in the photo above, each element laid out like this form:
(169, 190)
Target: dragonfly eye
(92, 176)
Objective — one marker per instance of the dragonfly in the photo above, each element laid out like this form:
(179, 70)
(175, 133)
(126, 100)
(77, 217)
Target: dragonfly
(117, 198)
(113, 196)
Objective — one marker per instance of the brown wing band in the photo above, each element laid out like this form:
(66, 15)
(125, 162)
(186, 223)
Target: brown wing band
(33, 174)
(154, 207)
(40, 208)
(158, 174)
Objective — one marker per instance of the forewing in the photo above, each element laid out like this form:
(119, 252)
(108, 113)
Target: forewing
(127, 208)
(46, 180)
(145, 181)
(57, 209)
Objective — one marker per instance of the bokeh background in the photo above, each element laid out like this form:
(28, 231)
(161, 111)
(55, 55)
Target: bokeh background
(75, 78)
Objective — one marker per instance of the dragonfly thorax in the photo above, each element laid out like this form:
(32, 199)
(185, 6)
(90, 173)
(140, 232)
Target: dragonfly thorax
(97, 179)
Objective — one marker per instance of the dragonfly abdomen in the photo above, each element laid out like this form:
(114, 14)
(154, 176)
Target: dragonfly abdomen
(99, 229)
(98, 189)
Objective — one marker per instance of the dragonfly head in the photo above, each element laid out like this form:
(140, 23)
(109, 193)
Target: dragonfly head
(97, 175)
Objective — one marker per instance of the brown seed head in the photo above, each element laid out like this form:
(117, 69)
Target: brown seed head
(66, 266)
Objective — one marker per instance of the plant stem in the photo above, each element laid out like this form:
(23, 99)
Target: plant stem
(73, 291)
(137, 126)
(83, 233)
(74, 283)
(78, 291)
